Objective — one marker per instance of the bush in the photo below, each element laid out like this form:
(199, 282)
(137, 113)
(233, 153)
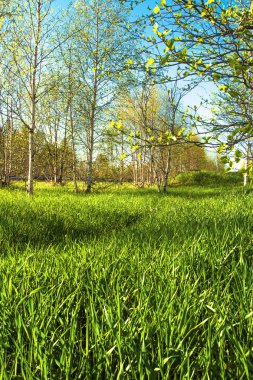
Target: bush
(203, 178)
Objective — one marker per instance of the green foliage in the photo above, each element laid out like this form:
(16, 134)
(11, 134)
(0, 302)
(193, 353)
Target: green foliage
(127, 284)
(205, 178)
(208, 39)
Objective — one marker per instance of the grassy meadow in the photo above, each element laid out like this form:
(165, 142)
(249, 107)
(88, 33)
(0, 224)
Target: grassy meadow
(126, 284)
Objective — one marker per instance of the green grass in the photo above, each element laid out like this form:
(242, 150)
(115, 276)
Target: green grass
(126, 284)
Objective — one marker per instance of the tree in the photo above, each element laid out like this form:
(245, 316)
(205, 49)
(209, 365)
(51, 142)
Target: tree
(211, 40)
(155, 123)
(53, 120)
(70, 89)
(6, 131)
(232, 122)
(27, 51)
(101, 51)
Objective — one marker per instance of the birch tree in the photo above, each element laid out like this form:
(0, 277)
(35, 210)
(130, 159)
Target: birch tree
(101, 50)
(157, 122)
(28, 49)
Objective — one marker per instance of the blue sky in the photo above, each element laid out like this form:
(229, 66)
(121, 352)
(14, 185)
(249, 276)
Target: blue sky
(141, 8)
(61, 3)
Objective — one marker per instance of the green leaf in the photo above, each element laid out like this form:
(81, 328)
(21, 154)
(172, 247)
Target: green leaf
(170, 44)
(150, 61)
(189, 5)
(223, 88)
(164, 59)
(135, 147)
(156, 9)
(181, 130)
(233, 93)
(119, 125)
(238, 155)
(155, 28)
(183, 53)
(200, 40)
(216, 76)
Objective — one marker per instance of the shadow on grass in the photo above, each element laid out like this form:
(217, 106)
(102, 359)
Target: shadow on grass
(39, 229)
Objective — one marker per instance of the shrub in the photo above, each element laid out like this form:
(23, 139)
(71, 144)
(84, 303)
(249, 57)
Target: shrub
(203, 178)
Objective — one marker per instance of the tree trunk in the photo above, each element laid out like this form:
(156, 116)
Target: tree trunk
(121, 176)
(89, 179)
(135, 168)
(246, 174)
(55, 162)
(29, 187)
(91, 141)
(73, 147)
(7, 137)
(167, 169)
(63, 152)
(90, 170)
(155, 169)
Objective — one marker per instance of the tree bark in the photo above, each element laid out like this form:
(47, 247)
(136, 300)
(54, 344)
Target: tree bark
(73, 147)
(247, 161)
(29, 186)
(167, 169)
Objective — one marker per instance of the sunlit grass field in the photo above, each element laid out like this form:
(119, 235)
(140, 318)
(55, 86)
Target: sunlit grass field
(126, 284)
